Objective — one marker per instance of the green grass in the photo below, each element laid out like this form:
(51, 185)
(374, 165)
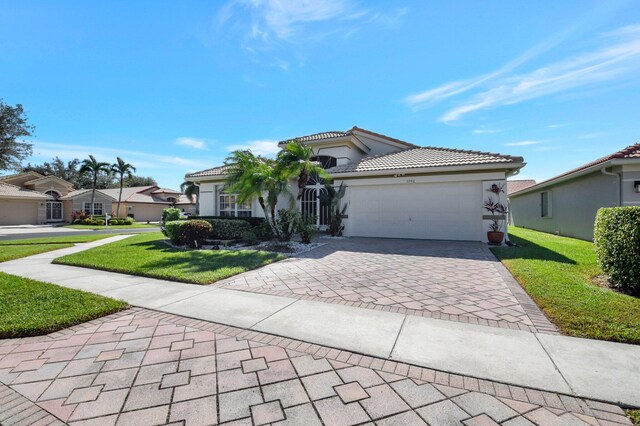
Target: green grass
(147, 255)
(14, 249)
(557, 273)
(634, 415)
(31, 308)
(98, 227)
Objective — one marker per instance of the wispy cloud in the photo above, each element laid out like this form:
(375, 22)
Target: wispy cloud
(47, 150)
(484, 131)
(192, 143)
(618, 55)
(592, 135)
(265, 147)
(523, 143)
(281, 29)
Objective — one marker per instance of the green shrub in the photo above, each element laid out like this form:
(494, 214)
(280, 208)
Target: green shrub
(228, 229)
(100, 222)
(127, 221)
(171, 230)
(194, 233)
(286, 221)
(170, 214)
(249, 238)
(306, 228)
(617, 241)
(259, 225)
(114, 222)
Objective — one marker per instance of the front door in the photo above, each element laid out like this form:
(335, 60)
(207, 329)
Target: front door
(54, 211)
(311, 204)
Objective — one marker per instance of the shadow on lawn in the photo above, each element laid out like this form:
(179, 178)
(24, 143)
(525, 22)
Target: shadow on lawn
(526, 249)
(188, 260)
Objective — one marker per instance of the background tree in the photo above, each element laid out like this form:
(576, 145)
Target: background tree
(13, 125)
(296, 160)
(93, 168)
(134, 180)
(191, 190)
(121, 168)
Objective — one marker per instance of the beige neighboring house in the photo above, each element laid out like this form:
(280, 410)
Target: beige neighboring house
(567, 204)
(31, 198)
(395, 189)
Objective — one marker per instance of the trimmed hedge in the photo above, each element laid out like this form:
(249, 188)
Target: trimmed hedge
(259, 225)
(191, 233)
(617, 240)
(225, 229)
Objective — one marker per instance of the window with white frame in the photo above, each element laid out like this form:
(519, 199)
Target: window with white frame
(229, 206)
(545, 204)
(97, 208)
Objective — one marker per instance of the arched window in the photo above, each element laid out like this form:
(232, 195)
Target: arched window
(53, 195)
(172, 200)
(326, 161)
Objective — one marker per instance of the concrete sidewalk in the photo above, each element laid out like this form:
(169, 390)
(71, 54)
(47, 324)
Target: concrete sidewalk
(586, 368)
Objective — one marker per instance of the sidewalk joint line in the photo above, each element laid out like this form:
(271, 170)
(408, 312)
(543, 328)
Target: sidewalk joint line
(395, 342)
(269, 316)
(573, 391)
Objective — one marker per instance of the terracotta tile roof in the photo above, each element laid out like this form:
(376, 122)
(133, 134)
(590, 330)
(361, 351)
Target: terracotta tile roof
(518, 185)
(216, 171)
(165, 191)
(78, 192)
(12, 191)
(334, 134)
(424, 157)
(632, 151)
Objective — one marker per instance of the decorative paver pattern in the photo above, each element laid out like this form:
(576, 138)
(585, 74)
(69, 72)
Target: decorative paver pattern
(460, 281)
(222, 379)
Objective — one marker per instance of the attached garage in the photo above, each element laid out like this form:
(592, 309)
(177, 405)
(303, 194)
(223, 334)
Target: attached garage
(18, 212)
(447, 210)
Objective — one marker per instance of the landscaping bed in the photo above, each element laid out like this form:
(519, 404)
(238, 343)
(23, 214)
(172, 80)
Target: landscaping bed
(15, 249)
(148, 255)
(561, 274)
(31, 308)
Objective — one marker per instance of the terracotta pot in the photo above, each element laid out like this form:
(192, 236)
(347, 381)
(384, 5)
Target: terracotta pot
(495, 237)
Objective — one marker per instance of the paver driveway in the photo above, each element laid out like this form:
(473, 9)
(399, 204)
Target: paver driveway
(459, 281)
(142, 367)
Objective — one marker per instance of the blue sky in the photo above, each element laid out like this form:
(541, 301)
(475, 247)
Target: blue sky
(172, 87)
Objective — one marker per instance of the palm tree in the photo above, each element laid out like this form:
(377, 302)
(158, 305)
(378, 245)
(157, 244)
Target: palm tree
(296, 160)
(191, 190)
(122, 169)
(252, 176)
(91, 165)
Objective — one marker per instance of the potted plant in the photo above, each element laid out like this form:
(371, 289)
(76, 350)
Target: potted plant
(495, 235)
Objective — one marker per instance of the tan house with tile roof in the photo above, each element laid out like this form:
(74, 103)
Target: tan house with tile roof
(567, 204)
(31, 198)
(395, 189)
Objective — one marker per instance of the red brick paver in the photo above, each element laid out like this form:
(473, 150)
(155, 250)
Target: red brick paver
(459, 281)
(226, 378)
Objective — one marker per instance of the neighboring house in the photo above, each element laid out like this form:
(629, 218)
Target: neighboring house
(395, 189)
(516, 185)
(31, 198)
(567, 204)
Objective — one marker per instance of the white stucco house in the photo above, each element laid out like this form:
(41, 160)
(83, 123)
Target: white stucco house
(395, 189)
(567, 204)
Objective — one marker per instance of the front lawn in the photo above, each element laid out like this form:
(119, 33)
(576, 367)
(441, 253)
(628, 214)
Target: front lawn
(31, 308)
(148, 255)
(102, 227)
(14, 249)
(557, 273)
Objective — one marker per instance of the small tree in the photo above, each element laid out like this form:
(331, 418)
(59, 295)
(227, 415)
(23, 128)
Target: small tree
(192, 191)
(13, 125)
(334, 196)
(94, 168)
(296, 161)
(255, 177)
(122, 169)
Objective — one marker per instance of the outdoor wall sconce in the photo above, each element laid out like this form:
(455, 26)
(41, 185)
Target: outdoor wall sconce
(636, 186)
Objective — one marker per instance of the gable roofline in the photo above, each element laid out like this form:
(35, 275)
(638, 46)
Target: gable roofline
(35, 175)
(630, 153)
(21, 193)
(405, 144)
(79, 192)
(44, 178)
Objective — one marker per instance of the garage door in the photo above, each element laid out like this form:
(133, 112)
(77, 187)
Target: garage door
(18, 212)
(439, 211)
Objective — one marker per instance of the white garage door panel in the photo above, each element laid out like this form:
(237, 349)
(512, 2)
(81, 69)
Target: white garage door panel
(447, 211)
(18, 212)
